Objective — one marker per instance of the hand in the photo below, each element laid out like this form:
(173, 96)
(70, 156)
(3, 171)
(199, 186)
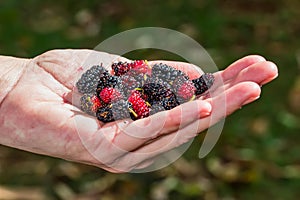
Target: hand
(36, 117)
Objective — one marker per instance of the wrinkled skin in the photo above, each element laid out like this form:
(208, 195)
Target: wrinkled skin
(38, 116)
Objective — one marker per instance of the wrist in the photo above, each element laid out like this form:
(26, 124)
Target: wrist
(11, 70)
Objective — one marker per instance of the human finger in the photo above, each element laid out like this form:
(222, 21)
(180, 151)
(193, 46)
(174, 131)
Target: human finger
(233, 70)
(260, 73)
(142, 131)
(235, 98)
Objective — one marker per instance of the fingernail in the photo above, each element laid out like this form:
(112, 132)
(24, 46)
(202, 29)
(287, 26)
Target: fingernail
(206, 109)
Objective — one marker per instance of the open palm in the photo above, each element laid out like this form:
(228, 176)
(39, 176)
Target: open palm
(41, 116)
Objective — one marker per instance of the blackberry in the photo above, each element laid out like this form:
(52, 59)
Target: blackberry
(156, 107)
(89, 103)
(107, 80)
(108, 95)
(203, 83)
(156, 91)
(141, 66)
(170, 102)
(89, 80)
(186, 91)
(166, 73)
(120, 68)
(128, 83)
(139, 107)
(120, 109)
(131, 81)
(105, 114)
(140, 78)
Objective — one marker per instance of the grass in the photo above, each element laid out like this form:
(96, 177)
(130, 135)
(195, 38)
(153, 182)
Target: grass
(257, 155)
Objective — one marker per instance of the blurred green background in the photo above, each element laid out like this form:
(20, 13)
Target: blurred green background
(258, 154)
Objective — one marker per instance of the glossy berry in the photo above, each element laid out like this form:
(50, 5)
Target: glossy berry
(89, 103)
(140, 66)
(109, 94)
(96, 103)
(186, 91)
(166, 73)
(139, 106)
(105, 114)
(89, 80)
(120, 68)
(170, 102)
(107, 80)
(120, 109)
(203, 83)
(156, 91)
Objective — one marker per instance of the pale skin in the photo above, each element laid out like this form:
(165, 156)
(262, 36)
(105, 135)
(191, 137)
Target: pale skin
(38, 115)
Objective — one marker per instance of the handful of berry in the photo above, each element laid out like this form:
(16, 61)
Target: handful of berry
(136, 90)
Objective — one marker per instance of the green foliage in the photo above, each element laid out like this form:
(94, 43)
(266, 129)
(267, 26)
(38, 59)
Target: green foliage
(257, 155)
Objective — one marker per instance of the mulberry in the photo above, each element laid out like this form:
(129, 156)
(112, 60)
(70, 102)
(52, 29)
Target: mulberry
(90, 103)
(89, 80)
(139, 108)
(108, 94)
(136, 90)
(105, 114)
(107, 80)
(120, 68)
(166, 73)
(203, 83)
(156, 91)
(186, 91)
(120, 109)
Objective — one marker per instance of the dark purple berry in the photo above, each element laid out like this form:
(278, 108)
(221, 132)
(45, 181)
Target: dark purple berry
(105, 114)
(89, 80)
(203, 83)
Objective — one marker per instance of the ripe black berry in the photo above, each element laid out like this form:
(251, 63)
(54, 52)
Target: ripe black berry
(170, 102)
(89, 103)
(105, 114)
(89, 80)
(120, 109)
(166, 73)
(107, 80)
(120, 68)
(203, 83)
(156, 91)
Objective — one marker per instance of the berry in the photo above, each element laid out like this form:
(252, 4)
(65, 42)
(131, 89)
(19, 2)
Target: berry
(120, 68)
(89, 80)
(203, 83)
(156, 107)
(166, 73)
(128, 83)
(89, 103)
(156, 91)
(170, 102)
(139, 108)
(107, 80)
(108, 94)
(120, 109)
(135, 90)
(96, 103)
(105, 114)
(141, 66)
(186, 91)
